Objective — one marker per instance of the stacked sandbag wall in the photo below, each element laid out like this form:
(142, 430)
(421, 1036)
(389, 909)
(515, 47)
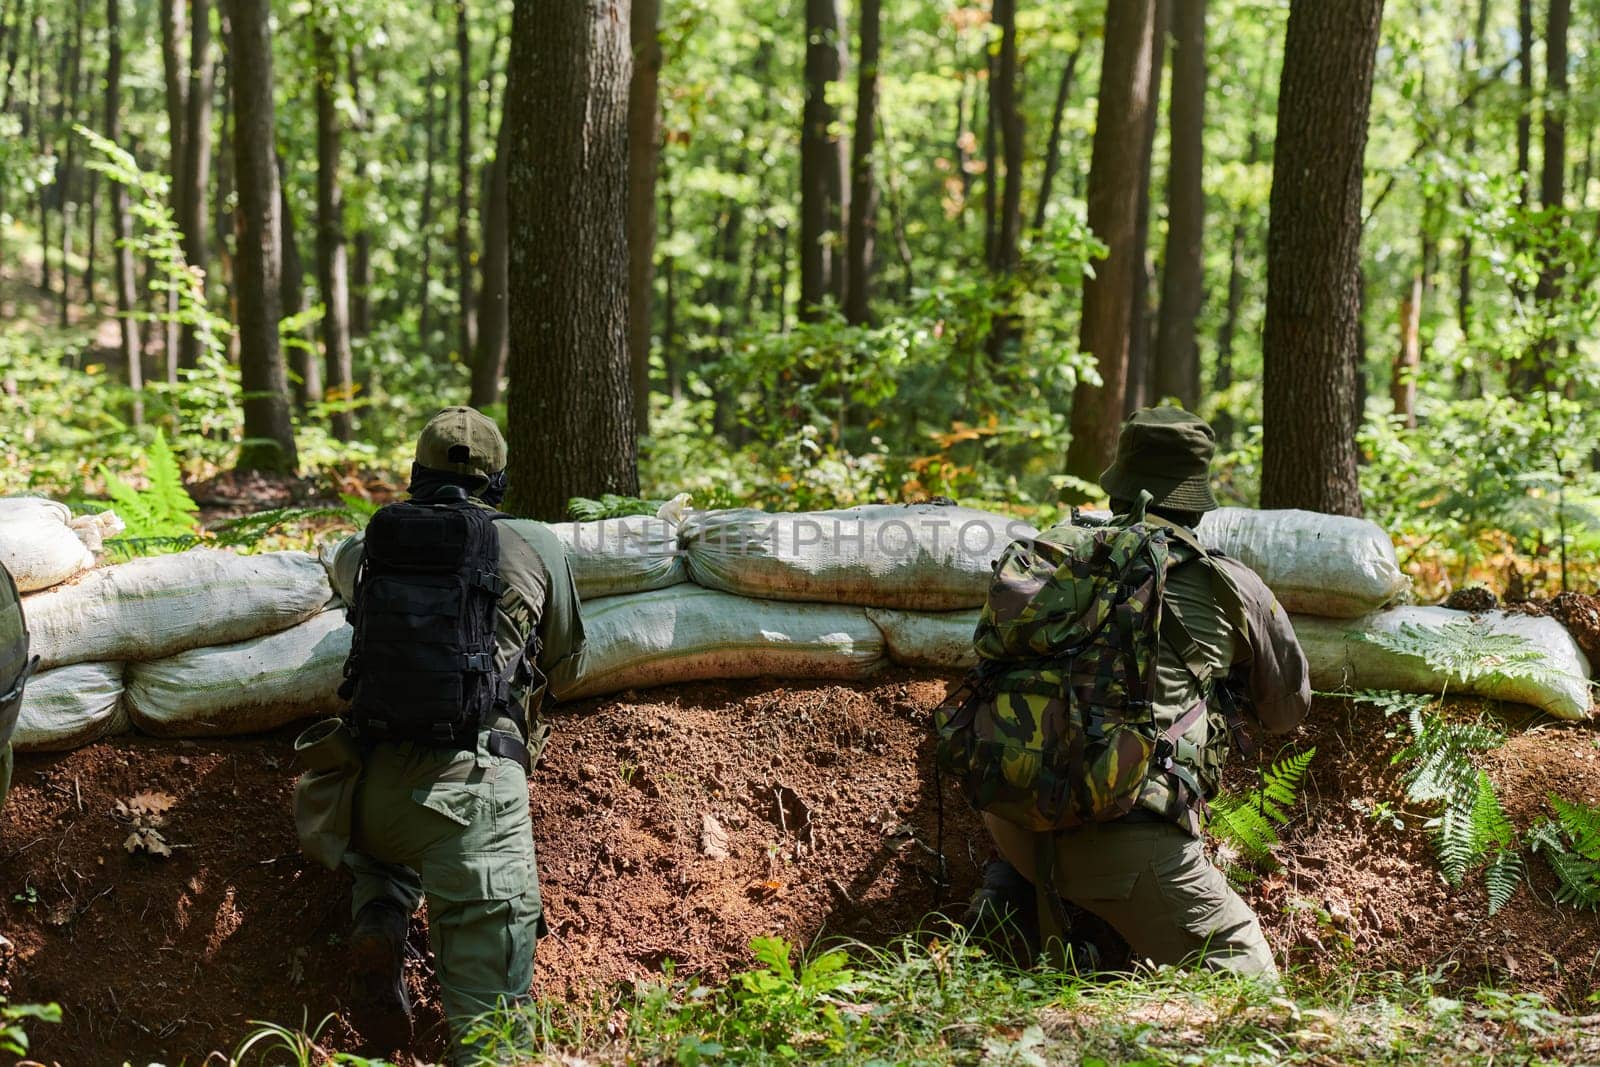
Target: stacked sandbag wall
(209, 643)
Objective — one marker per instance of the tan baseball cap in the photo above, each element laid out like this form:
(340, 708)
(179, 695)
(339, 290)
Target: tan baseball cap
(462, 440)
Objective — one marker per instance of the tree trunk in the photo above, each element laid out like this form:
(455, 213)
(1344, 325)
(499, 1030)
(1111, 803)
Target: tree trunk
(122, 220)
(66, 173)
(1140, 326)
(1525, 106)
(361, 258)
(489, 362)
(1052, 156)
(863, 177)
(672, 362)
(268, 435)
(821, 162)
(332, 269)
(1222, 422)
(644, 146)
(425, 215)
(1471, 58)
(196, 158)
(1007, 116)
(1313, 324)
(1113, 203)
(570, 404)
(172, 35)
(1535, 372)
(308, 390)
(1177, 364)
(91, 200)
(222, 213)
(1408, 360)
(466, 325)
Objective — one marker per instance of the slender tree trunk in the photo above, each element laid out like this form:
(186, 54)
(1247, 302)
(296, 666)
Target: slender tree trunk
(1052, 156)
(570, 409)
(644, 145)
(332, 267)
(222, 213)
(863, 176)
(1007, 116)
(122, 220)
(196, 158)
(303, 355)
(66, 173)
(1525, 107)
(1140, 327)
(671, 360)
(1408, 359)
(425, 215)
(821, 162)
(489, 363)
(268, 434)
(466, 326)
(1313, 326)
(1535, 372)
(1124, 104)
(91, 200)
(361, 240)
(1177, 364)
(1471, 58)
(173, 28)
(1222, 421)
(896, 213)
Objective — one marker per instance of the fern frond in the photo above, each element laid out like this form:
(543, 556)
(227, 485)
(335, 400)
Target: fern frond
(1502, 877)
(1469, 649)
(248, 530)
(1391, 702)
(1581, 823)
(610, 506)
(1249, 821)
(1578, 876)
(1282, 781)
(160, 513)
(126, 548)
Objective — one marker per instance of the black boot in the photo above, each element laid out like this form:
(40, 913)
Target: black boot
(380, 1007)
(1004, 906)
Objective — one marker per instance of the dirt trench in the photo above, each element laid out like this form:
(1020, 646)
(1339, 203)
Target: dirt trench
(822, 796)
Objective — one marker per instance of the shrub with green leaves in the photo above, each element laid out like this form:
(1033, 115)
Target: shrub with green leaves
(1570, 843)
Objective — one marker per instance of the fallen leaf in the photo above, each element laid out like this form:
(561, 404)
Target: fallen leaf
(151, 803)
(713, 838)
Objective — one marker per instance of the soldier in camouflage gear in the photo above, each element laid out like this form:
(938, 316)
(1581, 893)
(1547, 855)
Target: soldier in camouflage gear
(1147, 874)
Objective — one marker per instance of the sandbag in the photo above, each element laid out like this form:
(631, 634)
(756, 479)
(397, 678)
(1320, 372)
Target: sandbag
(71, 706)
(1329, 565)
(37, 544)
(920, 557)
(245, 687)
(941, 641)
(687, 634)
(150, 608)
(1339, 659)
(626, 555)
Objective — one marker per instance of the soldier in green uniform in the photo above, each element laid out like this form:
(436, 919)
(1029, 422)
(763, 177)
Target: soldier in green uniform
(449, 823)
(15, 667)
(1147, 874)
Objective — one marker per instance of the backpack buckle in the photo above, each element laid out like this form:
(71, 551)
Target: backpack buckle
(478, 661)
(490, 581)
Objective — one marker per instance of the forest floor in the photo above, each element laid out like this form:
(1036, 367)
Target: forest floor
(676, 825)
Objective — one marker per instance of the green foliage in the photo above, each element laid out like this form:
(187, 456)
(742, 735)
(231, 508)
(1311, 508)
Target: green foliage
(1570, 843)
(1249, 822)
(161, 516)
(1467, 650)
(610, 506)
(13, 1019)
(282, 1046)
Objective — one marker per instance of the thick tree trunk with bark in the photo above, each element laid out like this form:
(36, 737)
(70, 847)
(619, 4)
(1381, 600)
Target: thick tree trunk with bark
(570, 403)
(122, 220)
(466, 323)
(269, 436)
(1052, 155)
(1313, 325)
(644, 145)
(1141, 328)
(1177, 363)
(863, 176)
(1113, 203)
(822, 162)
(333, 271)
(489, 362)
(196, 158)
(303, 357)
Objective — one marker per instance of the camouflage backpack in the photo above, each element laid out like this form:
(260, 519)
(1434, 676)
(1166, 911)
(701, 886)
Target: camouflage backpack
(1055, 728)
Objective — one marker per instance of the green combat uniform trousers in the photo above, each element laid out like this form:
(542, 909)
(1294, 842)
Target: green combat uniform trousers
(453, 825)
(1153, 883)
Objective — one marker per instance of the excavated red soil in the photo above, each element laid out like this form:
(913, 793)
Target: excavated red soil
(821, 795)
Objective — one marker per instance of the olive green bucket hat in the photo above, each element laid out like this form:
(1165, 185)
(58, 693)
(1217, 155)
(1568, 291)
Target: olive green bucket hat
(1167, 451)
(463, 441)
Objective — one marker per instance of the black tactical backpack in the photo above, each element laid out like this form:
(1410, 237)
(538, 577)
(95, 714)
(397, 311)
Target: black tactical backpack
(422, 661)
(15, 663)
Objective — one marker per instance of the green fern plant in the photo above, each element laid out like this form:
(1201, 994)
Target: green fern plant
(1249, 822)
(1467, 650)
(1570, 843)
(610, 506)
(160, 518)
(248, 531)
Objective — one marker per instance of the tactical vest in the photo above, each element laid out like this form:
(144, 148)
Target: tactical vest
(422, 659)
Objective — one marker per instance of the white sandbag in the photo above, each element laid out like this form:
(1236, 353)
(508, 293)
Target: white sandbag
(1329, 565)
(1339, 659)
(687, 634)
(71, 706)
(37, 545)
(942, 641)
(919, 557)
(149, 608)
(246, 687)
(626, 555)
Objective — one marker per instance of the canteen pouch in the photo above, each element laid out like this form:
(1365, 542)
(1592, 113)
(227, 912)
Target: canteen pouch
(324, 797)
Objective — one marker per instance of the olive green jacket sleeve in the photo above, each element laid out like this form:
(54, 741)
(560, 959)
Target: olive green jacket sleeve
(534, 563)
(1277, 677)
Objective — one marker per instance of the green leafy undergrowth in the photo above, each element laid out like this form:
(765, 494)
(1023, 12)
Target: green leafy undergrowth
(163, 511)
(1467, 650)
(1248, 823)
(610, 506)
(1570, 843)
(14, 1019)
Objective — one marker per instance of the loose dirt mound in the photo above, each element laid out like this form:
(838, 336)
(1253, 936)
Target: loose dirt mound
(821, 796)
